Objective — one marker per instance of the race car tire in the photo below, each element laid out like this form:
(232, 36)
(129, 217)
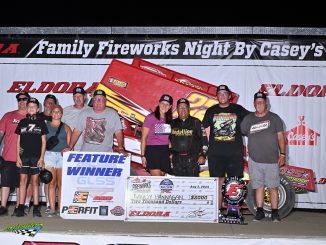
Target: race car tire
(286, 199)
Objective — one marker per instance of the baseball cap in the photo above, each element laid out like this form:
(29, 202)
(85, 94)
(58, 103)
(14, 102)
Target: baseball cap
(260, 95)
(51, 96)
(78, 90)
(33, 100)
(167, 98)
(99, 92)
(223, 87)
(22, 93)
(183, 100)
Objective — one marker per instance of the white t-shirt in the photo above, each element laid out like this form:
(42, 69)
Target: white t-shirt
(70, 117)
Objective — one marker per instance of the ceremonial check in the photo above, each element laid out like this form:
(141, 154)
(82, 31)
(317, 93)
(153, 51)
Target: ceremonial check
(173, 199)
(93, 185)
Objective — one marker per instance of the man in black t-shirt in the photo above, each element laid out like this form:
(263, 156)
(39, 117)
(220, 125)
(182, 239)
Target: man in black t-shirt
(49, 102)
(31, 144)
(188, 142)
(225, 152)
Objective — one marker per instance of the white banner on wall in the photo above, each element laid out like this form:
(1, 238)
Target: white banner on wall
(291, 72)
(93, 185)
(175, 199)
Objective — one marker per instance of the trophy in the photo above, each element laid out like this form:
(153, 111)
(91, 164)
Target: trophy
(234, 191)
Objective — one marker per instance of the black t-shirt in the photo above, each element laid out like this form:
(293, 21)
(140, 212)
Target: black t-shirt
(44, 117)
(31, 132)
(225, 134)
(188, 136)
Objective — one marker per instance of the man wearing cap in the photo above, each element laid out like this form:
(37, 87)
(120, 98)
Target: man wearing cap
(70, 113)
(154, 145)
(9, 171)
(188, 142)
(30, 152)
(98, 125)
(49, 102)
(225, 153)
(266, 148)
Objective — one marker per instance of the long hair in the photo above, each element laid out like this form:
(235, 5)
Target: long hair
(168, 115)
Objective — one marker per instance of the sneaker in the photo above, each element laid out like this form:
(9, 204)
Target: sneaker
(259, 215)
(26, 209)
(20, 211)
(47, 210)
(3, 211)
(221, 216)
(51, 214)
(276, 218)
(15, 212)
(36, 211)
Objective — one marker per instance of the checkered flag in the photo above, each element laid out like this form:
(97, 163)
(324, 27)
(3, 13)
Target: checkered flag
(80, 197)
(28, 232)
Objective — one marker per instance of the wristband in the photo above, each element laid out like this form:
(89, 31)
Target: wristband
(283, 154)
(142, 156)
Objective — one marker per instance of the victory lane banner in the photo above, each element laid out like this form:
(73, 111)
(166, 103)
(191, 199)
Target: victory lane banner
(92, 184)
(171, 199)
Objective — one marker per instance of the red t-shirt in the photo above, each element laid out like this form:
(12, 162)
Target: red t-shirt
(8, 125)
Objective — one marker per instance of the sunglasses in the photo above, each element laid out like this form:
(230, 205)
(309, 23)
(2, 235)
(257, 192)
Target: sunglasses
(22, 99)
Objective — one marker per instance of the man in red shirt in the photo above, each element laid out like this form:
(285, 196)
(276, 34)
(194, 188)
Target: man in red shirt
(9, 171)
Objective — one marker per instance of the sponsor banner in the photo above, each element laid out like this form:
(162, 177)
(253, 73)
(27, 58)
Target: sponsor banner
(302, 135)
(53, 47)
(300, 177)
(177, 199)
(92, 184)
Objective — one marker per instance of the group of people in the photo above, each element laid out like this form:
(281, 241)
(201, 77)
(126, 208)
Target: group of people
(174, 146)
(27, 132)
(179, 146)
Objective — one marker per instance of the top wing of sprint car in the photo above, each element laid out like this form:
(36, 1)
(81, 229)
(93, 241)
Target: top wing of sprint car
(134, 90)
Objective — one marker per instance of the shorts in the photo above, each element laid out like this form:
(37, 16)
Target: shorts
(264, 174)
(29, 165)
(53, 159)
(222, 165)
(9, 175)
(185, 166)
(158, 157)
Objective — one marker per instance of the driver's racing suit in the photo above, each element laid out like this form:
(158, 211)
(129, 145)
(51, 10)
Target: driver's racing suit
(188, 142)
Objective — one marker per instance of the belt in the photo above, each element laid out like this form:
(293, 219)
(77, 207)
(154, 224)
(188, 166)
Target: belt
(183, 154)
(186, 153)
